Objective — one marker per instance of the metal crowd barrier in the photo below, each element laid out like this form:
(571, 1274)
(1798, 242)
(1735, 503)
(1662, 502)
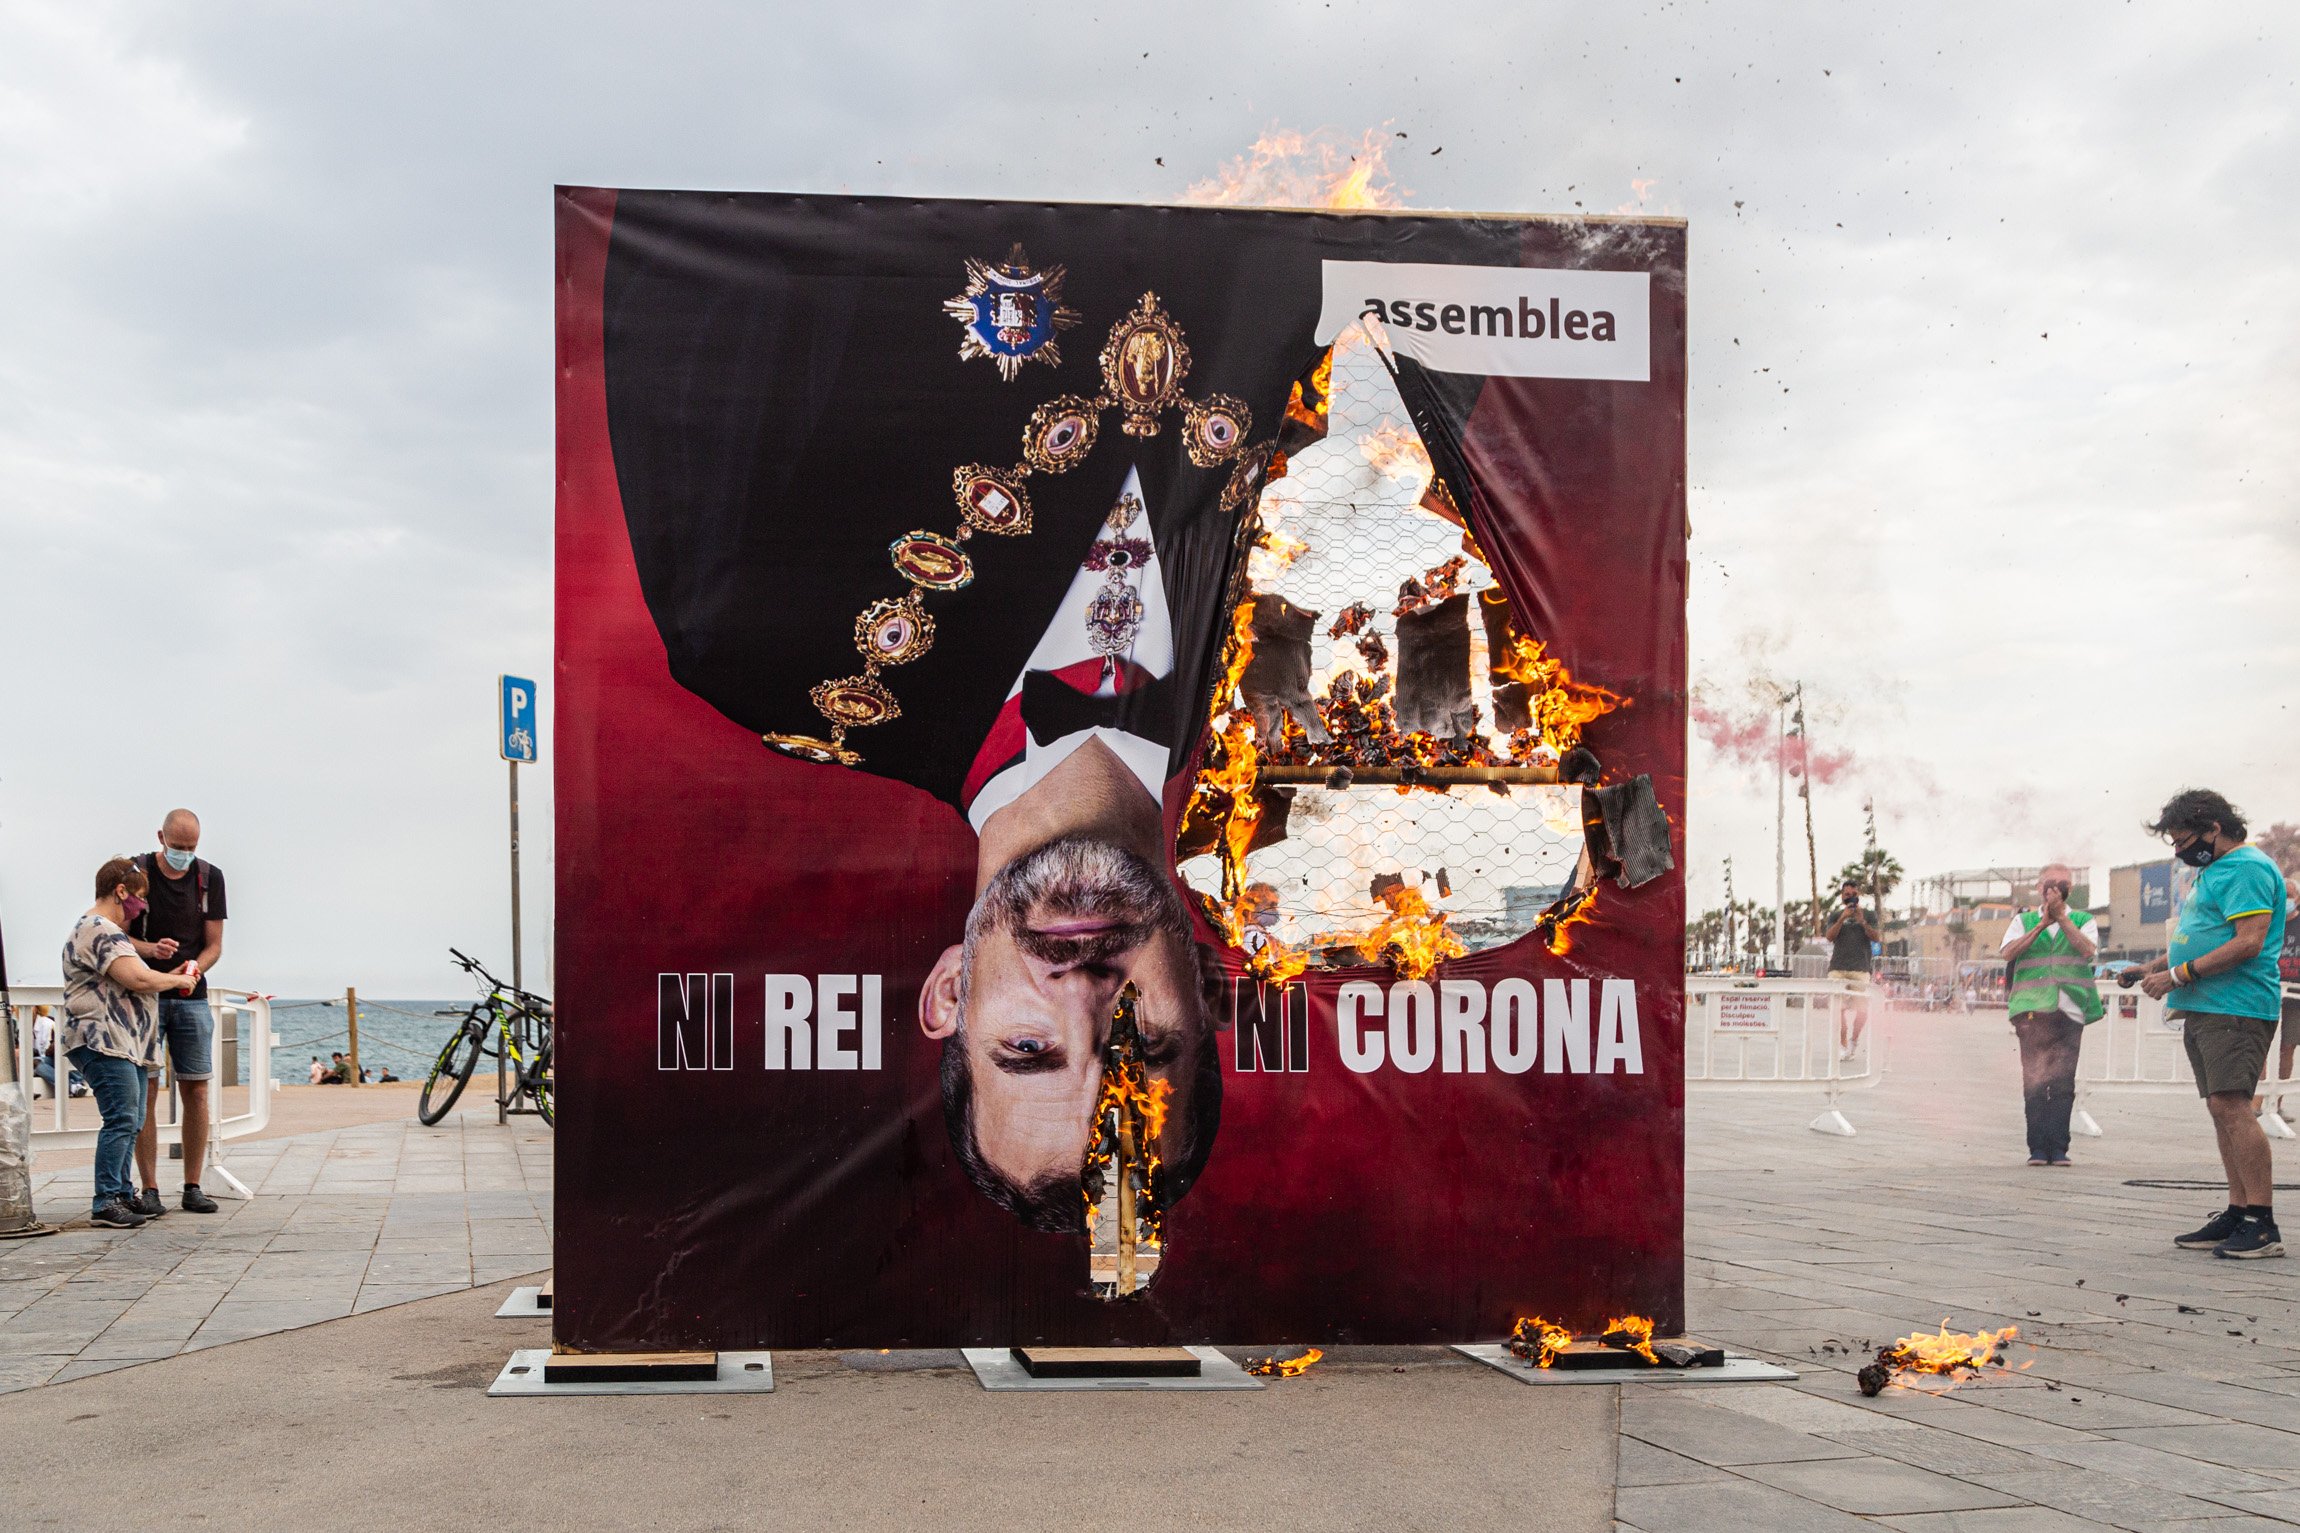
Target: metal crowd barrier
(252, 1016)
(1748, 1033)
(2138, 1049)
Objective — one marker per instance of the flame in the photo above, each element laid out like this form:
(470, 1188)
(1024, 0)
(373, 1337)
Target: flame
(1285, 1367)
(1415, 936)
(1309, 406)
(1540, 1340)
(1321, 169)
(1945, 1351)
(1639, 1331)
(1274, 552)
(1562, 707)
(1132, 1099)
(1560, 934)
(1398, 456)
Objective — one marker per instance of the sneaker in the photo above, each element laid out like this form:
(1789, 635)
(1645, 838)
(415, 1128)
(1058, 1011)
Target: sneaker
(2036, 1160)
(196, 1201)
(2256, 1238)
(2216, 1229)
(117, 1215)
(148, 1203)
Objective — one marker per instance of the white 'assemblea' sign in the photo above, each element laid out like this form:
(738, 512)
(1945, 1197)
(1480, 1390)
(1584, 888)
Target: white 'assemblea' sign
(1500, 321)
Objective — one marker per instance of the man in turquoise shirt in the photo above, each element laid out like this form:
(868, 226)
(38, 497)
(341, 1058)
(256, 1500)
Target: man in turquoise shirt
(2221, 976)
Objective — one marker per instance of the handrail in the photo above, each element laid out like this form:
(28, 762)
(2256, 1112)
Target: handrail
(254, 1012)
(2138, 1049)
(1761, 1033)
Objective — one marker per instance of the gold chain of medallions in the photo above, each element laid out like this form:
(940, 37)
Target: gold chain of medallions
(1143, 364)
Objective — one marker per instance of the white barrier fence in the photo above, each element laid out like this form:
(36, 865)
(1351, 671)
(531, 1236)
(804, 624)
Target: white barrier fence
(1749, 1033)
(2139, 1048)
(251, 1015)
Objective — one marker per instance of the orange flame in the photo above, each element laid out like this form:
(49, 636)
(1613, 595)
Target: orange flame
(1415, 937)
(1560, 933)
(1322, 169)
(1285, 1367)
(1138, 1098)
(1562, 707)
(1946, 1351)
(1639, 1331)
(1398, 456)
(1274, 552)
(1539, 1340)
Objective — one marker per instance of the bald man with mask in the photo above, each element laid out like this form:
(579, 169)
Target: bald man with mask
(183, 924)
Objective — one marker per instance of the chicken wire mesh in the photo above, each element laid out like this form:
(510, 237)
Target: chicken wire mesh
(1347, 541)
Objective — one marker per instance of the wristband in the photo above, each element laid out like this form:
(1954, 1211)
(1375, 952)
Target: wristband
(2189, 978)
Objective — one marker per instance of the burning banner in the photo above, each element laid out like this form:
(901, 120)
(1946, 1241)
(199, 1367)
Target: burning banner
(1091, 791)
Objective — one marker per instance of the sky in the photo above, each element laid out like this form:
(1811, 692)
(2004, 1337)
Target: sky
(1990, 428)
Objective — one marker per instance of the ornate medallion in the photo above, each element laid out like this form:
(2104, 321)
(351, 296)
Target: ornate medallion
(853, 701)
(931, 560)
(1143, 364)
(809, 748)
(1061, 433)
(1246, 478)
(1214, 428)
(1009, 313)
(991, 499)
(1113, 618)
(894, 630)
(1118, 554)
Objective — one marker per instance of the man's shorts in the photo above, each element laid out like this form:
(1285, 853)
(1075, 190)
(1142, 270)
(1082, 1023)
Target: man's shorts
(1858, 977)
(2227, 1053)
(189, 1029)
(2291, 1023)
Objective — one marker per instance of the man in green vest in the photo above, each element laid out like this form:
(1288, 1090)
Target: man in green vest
(2049, 988)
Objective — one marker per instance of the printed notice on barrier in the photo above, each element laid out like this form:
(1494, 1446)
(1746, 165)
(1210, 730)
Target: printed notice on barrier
(1744, 1013)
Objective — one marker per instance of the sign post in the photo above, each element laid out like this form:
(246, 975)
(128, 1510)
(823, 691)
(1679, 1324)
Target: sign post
(515, 707)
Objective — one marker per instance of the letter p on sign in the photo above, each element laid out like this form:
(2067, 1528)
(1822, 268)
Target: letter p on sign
(516, 698)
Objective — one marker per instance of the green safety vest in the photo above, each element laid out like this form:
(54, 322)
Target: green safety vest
(2049, 970)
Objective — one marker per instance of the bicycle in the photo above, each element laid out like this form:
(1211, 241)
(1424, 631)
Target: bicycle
(506, 1012)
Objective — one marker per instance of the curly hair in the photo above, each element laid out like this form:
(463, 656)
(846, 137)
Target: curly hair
(2198, 810)
(117, 871)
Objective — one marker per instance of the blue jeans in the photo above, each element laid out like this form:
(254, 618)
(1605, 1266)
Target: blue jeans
(45, 1069)
(119, 1088)
(190, 1030)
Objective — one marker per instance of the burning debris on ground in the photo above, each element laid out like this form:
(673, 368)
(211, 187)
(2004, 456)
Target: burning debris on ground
(1947, 1354)
(1274, 1367)
(1626, 1342)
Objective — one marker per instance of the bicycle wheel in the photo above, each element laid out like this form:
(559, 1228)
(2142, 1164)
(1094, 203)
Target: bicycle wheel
(539, 1077)
(458, 1057)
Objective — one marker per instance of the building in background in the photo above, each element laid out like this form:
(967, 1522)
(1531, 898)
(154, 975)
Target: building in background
(2140, 905)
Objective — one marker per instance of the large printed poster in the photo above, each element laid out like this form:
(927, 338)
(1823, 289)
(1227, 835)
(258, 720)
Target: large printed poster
(1121, 772)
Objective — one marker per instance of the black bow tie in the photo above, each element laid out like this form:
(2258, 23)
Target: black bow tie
(1053, 710)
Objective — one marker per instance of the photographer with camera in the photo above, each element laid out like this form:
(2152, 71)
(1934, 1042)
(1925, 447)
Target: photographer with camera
(2050, 990)
(1851, 934)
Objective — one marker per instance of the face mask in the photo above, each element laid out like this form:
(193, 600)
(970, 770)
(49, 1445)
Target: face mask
(133, 906)
(2197, 854)
(177, 859)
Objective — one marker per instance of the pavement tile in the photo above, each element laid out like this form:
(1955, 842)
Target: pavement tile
(87, 1365)
(2153, 1466)
(1643, 1464)
(1940, 1451)
(1876, 1486)
(1722, 1437)
(1733, 1504)
(2281, 1506)
(2239, 1445)
(2105, 1498)
(2009, 1519)
(29, 1369)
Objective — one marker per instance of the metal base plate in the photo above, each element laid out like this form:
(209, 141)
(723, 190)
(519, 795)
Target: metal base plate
(996, 1368)
(1737, 1370)
(740, 1373)
(525, 1303)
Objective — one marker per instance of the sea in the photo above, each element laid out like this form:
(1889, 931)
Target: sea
(401, 1036)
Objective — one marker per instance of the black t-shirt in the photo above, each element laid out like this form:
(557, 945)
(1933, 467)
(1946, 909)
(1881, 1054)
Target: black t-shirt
(175, 911)
(1852, 945)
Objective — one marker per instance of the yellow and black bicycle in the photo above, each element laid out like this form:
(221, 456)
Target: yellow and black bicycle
(521, 1024)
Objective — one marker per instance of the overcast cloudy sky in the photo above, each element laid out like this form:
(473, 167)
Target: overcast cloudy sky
(1992, 418)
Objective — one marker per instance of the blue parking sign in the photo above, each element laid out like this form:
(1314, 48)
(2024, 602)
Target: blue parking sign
(517, 708)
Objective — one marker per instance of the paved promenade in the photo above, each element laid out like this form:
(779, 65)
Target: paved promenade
(2162, 1390)
(2163, 1387)
(344, 1221)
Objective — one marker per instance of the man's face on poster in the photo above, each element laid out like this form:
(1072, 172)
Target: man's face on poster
(1023, 1008)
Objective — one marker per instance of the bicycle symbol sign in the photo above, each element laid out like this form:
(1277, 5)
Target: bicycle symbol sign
(517, 696)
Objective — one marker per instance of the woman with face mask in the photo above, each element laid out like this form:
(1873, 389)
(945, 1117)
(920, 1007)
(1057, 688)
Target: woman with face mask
(112, 1027)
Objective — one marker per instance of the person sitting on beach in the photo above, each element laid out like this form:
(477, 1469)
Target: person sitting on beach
(318, 1071)
(338, 1072)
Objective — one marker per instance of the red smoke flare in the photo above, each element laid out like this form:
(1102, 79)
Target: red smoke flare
(1750, 740)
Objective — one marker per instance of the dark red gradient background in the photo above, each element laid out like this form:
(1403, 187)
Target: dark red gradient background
(744, 1208)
